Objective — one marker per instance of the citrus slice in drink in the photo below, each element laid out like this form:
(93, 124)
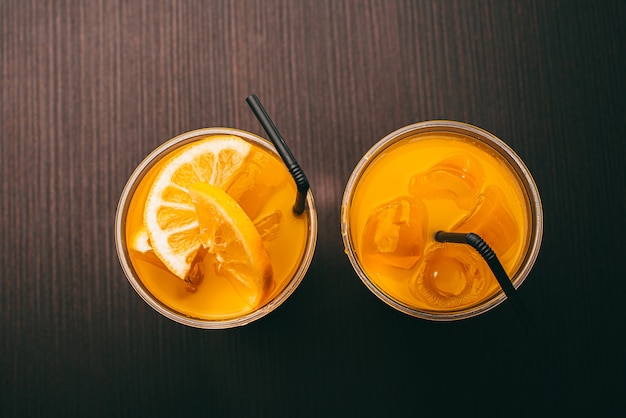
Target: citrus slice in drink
(228, 234)
(170, 215)
(140, 241)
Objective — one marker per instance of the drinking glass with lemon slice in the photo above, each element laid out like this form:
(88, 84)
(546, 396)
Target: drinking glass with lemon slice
(205, 229)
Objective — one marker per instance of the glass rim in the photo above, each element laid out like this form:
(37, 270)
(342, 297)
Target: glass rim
(516, 164)
(122, 250)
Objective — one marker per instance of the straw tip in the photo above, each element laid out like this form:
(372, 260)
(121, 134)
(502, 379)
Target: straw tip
(300, 204)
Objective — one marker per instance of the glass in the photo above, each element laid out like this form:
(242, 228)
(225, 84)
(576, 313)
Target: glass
(146, 279)
(440, 175)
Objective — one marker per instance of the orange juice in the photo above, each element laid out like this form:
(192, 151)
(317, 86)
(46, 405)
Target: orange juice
(265, 191)
(436, 176)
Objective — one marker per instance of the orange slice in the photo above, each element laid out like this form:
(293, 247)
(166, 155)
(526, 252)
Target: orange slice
(140, 241)
(229, 235)
(170, 215)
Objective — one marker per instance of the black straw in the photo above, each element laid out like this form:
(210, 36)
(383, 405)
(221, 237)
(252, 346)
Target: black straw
(292, 165)
(494, 264)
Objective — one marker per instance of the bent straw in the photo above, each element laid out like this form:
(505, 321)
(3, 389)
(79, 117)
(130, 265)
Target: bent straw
(302, 183)
(494, 264)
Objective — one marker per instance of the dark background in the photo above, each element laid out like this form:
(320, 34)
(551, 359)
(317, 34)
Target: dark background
(89, 88)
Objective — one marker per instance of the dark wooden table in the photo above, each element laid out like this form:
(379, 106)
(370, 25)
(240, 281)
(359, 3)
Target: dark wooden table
(89, 88)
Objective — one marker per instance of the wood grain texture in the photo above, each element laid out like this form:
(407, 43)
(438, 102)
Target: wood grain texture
(88, 89)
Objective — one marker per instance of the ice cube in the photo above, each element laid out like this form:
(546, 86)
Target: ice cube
(458, 177)
(493, 221)
(269, 225)
(261, 176)
(452, 275)
(395, 233)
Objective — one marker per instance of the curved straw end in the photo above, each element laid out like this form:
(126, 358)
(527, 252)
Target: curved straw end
(302, 184)
(294, 168)
(494, 264)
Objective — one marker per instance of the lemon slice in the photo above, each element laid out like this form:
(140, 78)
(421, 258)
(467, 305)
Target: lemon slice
(170, 215)
(229, 235)
(140, 241)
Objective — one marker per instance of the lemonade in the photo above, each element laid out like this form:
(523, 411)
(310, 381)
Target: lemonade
(206, 232)
(439, 176)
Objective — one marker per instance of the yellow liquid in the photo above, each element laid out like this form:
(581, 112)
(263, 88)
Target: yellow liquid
(427, 183)
(216, 298)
